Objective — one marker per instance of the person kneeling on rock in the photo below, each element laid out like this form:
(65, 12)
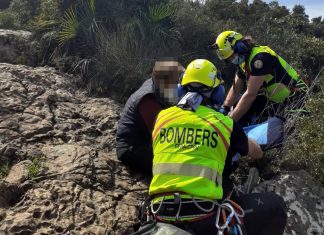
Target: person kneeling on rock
(191, 143)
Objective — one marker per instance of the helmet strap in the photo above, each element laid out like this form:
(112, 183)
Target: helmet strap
(200, 90)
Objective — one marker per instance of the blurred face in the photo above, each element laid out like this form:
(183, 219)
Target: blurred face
(167, 87)
(166, 77)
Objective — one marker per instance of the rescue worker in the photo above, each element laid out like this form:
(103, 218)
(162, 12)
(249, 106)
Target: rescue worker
(191, 145)
(272, 84)
(134, 146)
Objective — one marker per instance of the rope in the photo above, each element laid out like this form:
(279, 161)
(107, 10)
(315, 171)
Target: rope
(203, 209)
(159, 208)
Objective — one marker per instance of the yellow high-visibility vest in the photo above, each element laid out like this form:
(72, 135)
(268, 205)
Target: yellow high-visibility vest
(277, 89)
(190, 149)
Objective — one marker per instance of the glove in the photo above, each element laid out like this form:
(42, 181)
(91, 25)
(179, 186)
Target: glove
(224, 109)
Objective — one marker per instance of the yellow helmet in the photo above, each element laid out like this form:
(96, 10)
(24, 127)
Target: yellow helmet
(201, 71)
(225, 43)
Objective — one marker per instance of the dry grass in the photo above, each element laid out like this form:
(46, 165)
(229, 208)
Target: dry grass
(304, 143)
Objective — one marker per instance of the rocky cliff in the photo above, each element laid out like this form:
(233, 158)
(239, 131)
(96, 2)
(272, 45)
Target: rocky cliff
(60, 144)
(18, 47)
(58, 167)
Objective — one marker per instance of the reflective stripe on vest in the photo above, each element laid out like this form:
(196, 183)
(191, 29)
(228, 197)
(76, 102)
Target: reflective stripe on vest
(188, 170)
(276, 89)
(190, 150)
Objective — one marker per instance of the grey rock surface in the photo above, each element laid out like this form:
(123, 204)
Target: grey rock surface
(18, 47)
(304, 199)
(77, 186)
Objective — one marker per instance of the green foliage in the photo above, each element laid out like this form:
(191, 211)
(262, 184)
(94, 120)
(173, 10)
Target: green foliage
(124, 57)
(195, 30)
(159, 12)
(120, 51)
(70, 26)
(48, 17)
(77, 36)
(8, 20)
(140, 32)
(119, 61)
(311, 57)
(49, 10)
(304, 147)
(78, 22)
(25, 10)
(34, 168)
(4, 170)
(153, 26)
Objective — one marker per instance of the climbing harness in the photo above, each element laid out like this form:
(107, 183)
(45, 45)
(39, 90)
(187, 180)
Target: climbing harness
(229, 215)
(184, 211)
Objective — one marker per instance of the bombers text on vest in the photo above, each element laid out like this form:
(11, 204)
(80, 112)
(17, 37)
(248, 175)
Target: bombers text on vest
(190, 149)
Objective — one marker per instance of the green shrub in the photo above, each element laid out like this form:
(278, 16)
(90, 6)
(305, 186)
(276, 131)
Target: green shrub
(49, 10)
(8, 20)
(4, 170)
(121, 63)
(25, 10)
(48, 17)
(304, 147)
(34, 168)
(123, 58)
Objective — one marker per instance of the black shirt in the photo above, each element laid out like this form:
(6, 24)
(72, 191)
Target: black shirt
(263, 64)
(239, 144)
(239, 141)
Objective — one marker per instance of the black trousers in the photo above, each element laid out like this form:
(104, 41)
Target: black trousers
(266, 216)
(138, 158)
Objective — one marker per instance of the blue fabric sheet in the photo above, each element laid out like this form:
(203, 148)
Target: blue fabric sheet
(259, 133)
(267, 134)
